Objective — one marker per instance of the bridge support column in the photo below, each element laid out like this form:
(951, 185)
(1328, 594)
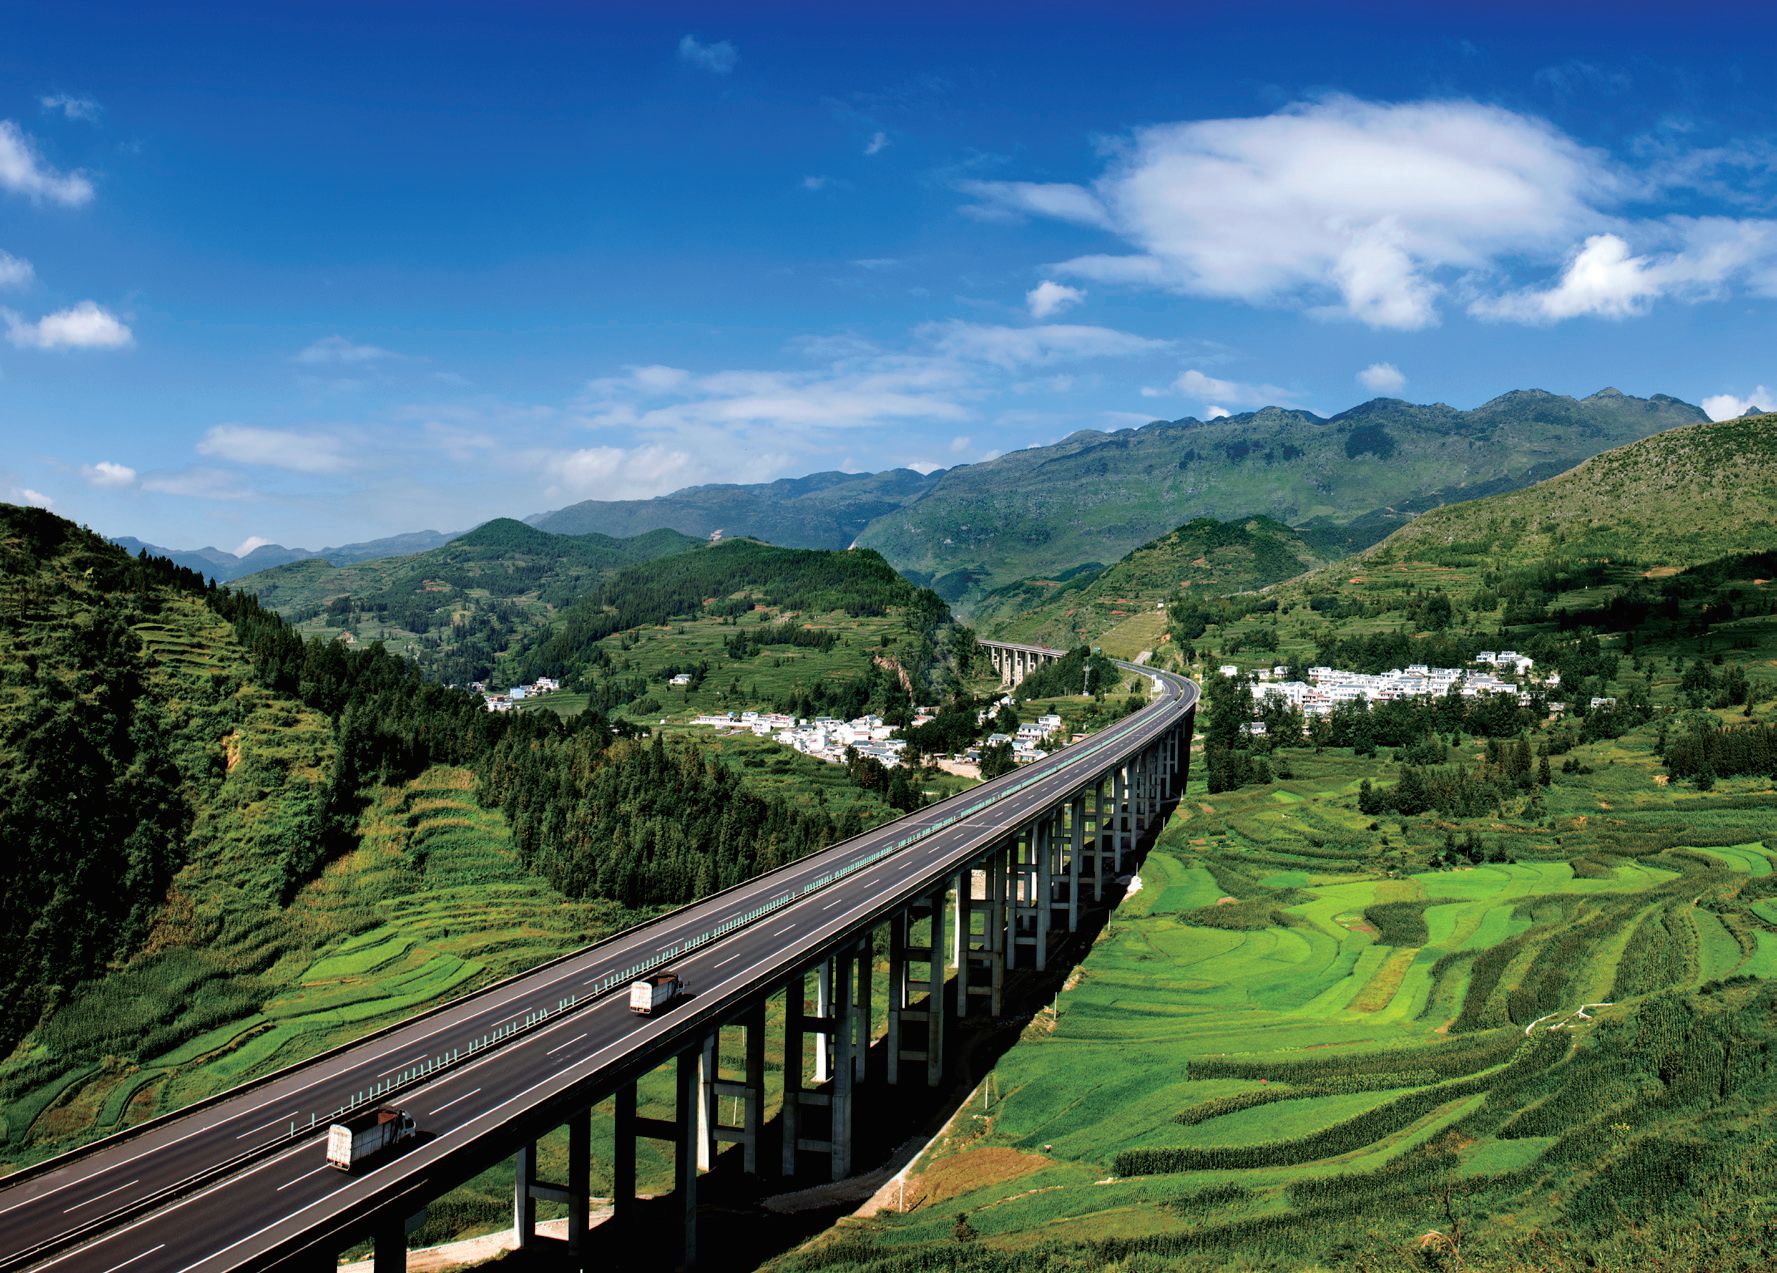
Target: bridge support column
(791, 1118)
(389, 1247)
(623, 1161)
(935, 1011)
(861, 1016)
(1120, 816)
(990, 957)
(1023, 893)
(1099, 846)
(747, 1091)
(963, 936)
(1076, 825)
(897, 993)
(579, 1185)
(823, 1007)
(839, 1099)
(1043, 842)
(524, 1202)
(685, 1104)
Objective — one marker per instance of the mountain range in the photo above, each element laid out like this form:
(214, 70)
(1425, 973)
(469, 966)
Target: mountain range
(1343, 481)
(225, 567)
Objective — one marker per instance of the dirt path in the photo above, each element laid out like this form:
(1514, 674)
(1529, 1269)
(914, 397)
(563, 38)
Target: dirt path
(473, 1251)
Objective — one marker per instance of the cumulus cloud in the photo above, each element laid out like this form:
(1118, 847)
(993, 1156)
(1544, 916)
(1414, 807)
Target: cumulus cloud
(1216, 413)
(1350, 207)
(337, 350)
(84, 109)
(1215, 391)
(718, 58)
(108, 474)
(1049, 298)
(292, 450)
(15, 271)
(23, 171)
(87, 325)
(1728, 406)
(1703, 257)
(878, 143)
(36, 499)
(1382, 377)
(249, 544)
(816, 182)
(612, 472)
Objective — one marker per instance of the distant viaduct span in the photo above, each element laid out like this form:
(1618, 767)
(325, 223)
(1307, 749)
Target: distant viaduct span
(1014, 662)
(968, 890)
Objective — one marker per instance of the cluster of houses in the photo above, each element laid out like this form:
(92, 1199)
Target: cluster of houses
(828, 738)
(1026, 742)
(506, 700)
(825, 737)
(1327, 687)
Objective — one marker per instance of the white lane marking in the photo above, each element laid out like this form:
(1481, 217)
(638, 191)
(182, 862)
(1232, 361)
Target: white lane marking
(558, 1047)
(830, 905)
(730, 959)
(100, 1197)
(304, 1176)
(274, 1122)
(786, 928)
(465, 1096)
(402, 1065)
(142, 1255)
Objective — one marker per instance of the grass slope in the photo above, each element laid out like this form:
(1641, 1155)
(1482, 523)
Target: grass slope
(1202, 557)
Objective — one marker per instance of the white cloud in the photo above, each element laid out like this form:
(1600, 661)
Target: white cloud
(36, 499)
(1049, 298)
(108, 474)
(959, 444)
(1216, 413)
(718, 58)
(23, 171)
(878, 143)
(1195, 385)
(1382, 377)
(1704, 257)
(1008, 347)
(339, 350)
(923, 467)
(15, 271)
(297, 452)
(80, 108)
(816, 182)
(1353, 207)
(83, 326)
(1727, 406)
(612, 472)
(250, 543)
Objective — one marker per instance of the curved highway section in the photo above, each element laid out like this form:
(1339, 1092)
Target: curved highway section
(241, 1180)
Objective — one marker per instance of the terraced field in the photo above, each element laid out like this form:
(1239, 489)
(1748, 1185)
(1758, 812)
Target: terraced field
(1290, 1049)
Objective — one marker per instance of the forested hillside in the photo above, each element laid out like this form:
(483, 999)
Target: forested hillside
(458, 610)
(1203, 557)
(205, 868)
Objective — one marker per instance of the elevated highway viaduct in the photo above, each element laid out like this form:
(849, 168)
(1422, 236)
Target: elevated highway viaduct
(968, 889)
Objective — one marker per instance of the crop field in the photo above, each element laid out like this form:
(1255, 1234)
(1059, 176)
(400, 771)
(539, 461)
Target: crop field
(1294, 1046)
(432, 903)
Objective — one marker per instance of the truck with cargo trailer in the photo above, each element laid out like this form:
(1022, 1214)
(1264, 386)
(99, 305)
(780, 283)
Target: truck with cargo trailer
(650, 994)
(354, 1141)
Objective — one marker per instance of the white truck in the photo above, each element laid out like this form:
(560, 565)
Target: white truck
(363, 1136)
(655, 991)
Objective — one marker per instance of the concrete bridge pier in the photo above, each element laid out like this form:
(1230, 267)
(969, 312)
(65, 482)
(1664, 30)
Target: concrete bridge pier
(837, 1029)
(681, 1131)
(1119, 816)
(747, 1093)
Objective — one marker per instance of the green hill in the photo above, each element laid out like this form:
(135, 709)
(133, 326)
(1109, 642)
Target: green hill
(821, 510)
(1095, 496)
(460, 608)
(1673, 500)
(1204, 557)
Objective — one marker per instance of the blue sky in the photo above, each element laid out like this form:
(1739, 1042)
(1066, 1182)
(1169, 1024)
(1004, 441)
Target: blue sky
(318, 274)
